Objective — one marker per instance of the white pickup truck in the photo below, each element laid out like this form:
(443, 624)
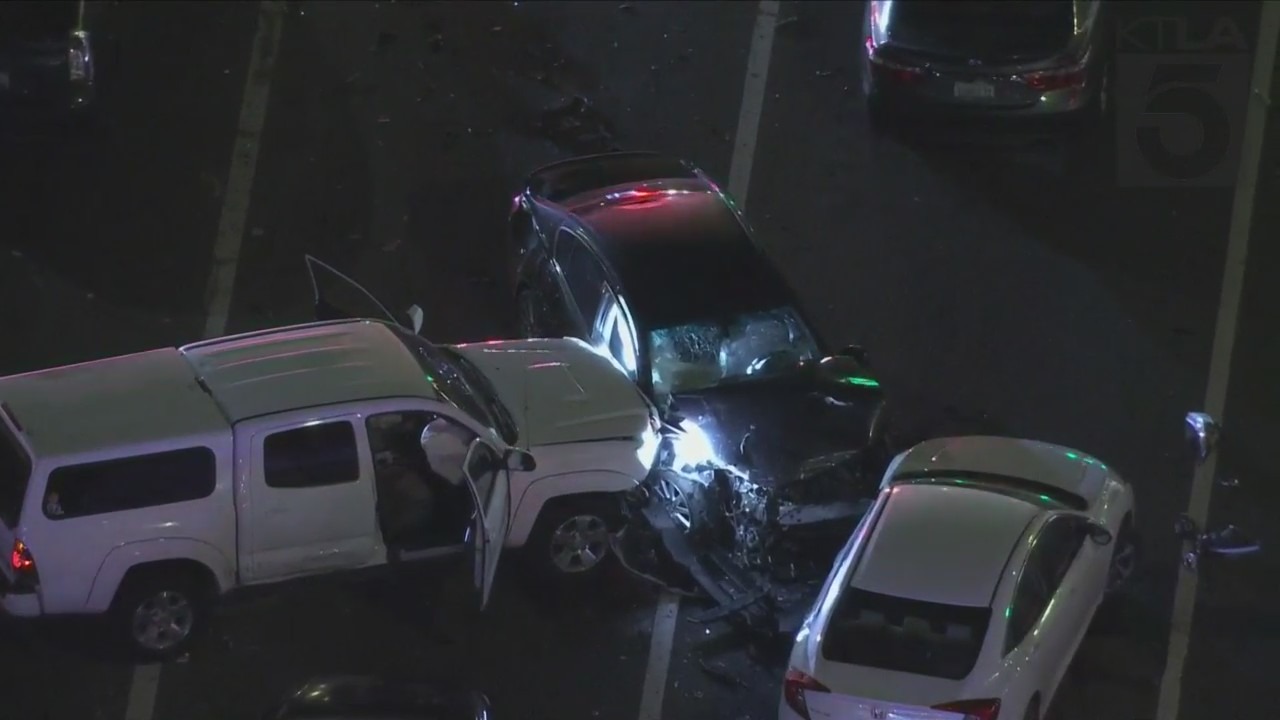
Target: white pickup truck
(148, 486)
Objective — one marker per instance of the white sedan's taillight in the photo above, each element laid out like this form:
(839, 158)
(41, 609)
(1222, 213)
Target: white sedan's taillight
(79, 63)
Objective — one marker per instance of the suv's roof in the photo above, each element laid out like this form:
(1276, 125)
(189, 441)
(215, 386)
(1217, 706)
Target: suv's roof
(679, 251)
(157, 395)
(942, 544)
(119, 401)
(307, 366)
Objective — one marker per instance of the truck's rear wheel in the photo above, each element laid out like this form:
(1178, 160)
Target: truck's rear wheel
(571, 538)
(161, 612)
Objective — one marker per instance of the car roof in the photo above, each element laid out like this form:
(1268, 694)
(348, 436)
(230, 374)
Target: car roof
(942, 544)
(679, 251)
(304, 366)
(120, 401)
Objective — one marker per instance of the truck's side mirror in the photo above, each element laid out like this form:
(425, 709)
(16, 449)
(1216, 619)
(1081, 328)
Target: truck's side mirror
(857, 352)
(521, 460)
(1204, 431)
(415, 318)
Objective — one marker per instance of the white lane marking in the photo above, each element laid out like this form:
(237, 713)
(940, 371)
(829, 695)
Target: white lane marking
(661, 639)
(144, 685)
(1184, 599)
(142, 692)
(744, 149)
(753, 90)
(244, 161)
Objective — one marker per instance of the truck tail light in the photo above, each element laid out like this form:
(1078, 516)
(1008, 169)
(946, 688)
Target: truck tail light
(794, 686)
(988, 709)
(23, 565)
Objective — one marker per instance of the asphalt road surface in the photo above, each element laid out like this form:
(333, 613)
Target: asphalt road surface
(1004, 290)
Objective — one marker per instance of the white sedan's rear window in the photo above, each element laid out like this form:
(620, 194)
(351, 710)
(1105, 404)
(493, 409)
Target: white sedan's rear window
(902, 635)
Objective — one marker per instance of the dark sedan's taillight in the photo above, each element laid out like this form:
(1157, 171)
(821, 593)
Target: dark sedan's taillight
(888, 69)
(1072, 73)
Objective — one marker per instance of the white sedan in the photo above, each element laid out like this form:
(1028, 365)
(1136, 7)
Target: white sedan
(967, 587)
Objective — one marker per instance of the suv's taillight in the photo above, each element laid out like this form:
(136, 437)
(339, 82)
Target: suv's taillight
(988, 709)
(23, 565)
(78, 56)
(794, 686)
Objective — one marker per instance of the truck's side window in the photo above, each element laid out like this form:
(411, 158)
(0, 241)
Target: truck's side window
(311, 456)
(130, 483)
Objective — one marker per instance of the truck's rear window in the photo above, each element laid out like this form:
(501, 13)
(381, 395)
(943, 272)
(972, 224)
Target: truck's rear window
(910, 636)
(15, 473)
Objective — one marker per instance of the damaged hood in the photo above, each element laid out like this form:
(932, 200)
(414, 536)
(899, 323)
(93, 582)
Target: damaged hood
(817, 416)
(561, 391)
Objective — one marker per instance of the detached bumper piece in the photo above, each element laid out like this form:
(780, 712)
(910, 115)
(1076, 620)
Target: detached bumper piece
(656, 543)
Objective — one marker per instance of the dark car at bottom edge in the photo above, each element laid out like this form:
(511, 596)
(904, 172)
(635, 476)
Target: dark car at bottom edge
(772, 436)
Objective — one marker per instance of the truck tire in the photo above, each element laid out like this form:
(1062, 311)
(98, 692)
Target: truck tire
(570, 540)
(160, 611)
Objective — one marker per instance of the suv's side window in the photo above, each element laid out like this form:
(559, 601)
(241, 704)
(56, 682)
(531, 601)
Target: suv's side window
(1046, 565)
(582, 273)
(483, 469)
(311, 456)
(614, 332)
(130, 483)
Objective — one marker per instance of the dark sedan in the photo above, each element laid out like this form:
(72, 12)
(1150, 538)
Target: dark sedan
(372, 698)
(646, 258)
(1029, 64)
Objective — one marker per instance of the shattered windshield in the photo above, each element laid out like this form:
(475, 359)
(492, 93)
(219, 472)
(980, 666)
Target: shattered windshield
(700, 355)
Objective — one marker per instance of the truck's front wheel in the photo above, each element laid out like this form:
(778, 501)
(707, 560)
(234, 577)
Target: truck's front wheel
(161, 612)
(571, 537)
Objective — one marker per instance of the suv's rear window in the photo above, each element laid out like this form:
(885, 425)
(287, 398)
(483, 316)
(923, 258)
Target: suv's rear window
(902, 635)
(130, 483)
(15, 473)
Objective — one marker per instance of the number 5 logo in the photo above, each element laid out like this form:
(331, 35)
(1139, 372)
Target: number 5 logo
(1180, 126)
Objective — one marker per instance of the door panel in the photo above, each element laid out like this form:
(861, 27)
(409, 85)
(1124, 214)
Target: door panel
(294, 530)
(338, 297)
(490, 486)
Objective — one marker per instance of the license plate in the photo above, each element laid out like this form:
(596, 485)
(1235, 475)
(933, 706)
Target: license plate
(971, 90)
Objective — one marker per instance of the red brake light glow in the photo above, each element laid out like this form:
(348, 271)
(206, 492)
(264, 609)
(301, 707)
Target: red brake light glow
(20, 558)
(888, 69)
(1055, 79)
(988, 709)
(794, 686)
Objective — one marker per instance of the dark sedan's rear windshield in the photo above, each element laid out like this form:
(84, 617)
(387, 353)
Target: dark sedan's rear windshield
(982, 29)
(39, 20)
(911, 636)
(15, 473)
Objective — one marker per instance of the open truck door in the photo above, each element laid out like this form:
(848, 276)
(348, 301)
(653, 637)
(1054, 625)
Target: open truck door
(486, 471)
(338, 297)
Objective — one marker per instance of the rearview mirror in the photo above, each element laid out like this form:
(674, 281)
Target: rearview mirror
(1205, 432)
(857, 352)
(1099, 535)
(415, 318)
(520, 460)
